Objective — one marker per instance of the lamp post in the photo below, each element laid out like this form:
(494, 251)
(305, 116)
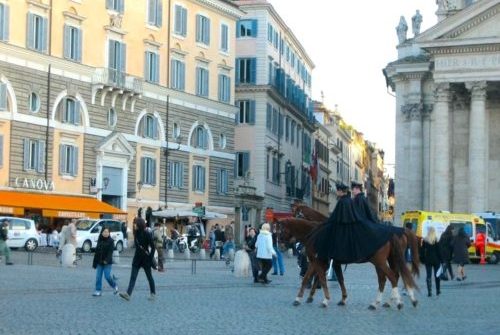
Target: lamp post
(178, 141)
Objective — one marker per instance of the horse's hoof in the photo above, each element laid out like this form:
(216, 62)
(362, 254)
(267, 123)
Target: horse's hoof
(386, 305)
(372, 307)
(400, 305)
(323, 305)
(341, 303)
(414, 303)
(296, 303)
(309, 300)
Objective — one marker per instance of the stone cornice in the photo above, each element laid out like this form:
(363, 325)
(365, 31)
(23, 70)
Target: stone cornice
(493, 45)
(473, 23)
(477, 89)
(73, 16)
(225, 7)
(39, 5)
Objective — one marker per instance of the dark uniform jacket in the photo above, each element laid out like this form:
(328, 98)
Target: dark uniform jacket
(363, 208)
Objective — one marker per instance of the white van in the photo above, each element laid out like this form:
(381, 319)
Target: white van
(22, 233)
(88, 230)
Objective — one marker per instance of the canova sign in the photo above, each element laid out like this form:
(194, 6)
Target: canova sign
(35, 184)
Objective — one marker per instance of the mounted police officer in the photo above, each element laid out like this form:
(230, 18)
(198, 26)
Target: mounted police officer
(361, 203)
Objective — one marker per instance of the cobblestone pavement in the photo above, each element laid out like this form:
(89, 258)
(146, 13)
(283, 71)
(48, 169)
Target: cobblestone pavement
(45, 298)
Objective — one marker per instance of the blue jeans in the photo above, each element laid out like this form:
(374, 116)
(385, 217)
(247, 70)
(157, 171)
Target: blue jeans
(106, 269)
(278, 262)
(227, 246)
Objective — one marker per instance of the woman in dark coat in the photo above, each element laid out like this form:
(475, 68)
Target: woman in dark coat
(461, 244)
(446, 249)
(143, 258)
(431, 256)
(103, 258)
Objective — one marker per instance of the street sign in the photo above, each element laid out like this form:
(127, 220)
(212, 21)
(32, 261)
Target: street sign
(199, 210)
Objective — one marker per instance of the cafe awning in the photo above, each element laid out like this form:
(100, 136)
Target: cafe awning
(54, 205)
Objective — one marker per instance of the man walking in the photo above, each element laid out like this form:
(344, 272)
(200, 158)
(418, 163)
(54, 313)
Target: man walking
(4, 236)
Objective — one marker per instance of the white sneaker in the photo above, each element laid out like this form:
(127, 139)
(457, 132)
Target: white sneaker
(152, 297)
(115, 290)
(97, 294)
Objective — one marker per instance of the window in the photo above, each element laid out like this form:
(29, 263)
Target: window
(275, 169)
(155, 9)
(202, 82)
(116, 5)
(1, 151)
(222, 181)
(270, 33)
(180, 25)
(222, 141)
(242, 164)
(178, 80)
(202, 29)
(148, 171)
(176, 175)
(150, 127)
(4, 22)
(200, 139)
(152, 67)
(34, 155)
(199, 178)
(112, 118)
(224, 37)
(34, 102)
(275, 121)
(224, 88)
(246, 69)
(117, 54)
(247, 112)
(37, 33)
(287, 128)
(72, 43)
(245, 213)
(246, 28)
(70, 111)
(176, 131)
(269, 117)
(68, 160)
(292, 132)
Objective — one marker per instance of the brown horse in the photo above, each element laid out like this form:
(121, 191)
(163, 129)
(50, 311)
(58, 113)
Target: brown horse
(388, 261)
(303, 211)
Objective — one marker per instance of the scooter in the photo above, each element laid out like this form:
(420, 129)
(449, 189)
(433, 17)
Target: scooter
(181, 243)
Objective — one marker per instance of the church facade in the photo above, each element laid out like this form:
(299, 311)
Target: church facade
(447, 86)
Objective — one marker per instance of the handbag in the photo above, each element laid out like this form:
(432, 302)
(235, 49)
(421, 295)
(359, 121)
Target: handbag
(442, 275)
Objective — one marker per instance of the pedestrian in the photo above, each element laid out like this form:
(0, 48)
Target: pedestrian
(461, 244)
(431, 257)
(125, 234)
(158, 240)
(143, 258)
(103, 260)
(67, 245)
(278, 260)
(4, 236)
(265, 252)
(250, 248)
(446, 249)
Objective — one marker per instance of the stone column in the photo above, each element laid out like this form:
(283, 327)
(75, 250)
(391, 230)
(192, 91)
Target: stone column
(478, 142)
(441, 148)
(426, 129)
(414, 114)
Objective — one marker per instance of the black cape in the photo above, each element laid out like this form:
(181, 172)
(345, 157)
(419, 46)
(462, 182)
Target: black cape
(361, 204)
(347, 237)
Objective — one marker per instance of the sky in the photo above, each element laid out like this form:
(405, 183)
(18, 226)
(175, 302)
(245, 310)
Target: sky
(350, 42)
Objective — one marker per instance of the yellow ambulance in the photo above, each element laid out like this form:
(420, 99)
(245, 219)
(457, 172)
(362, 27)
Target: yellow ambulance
(421, 221)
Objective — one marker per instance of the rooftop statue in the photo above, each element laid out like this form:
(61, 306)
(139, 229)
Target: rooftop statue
(416, 21)
(402, 29)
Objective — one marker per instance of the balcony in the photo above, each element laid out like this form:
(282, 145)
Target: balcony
(118, 84)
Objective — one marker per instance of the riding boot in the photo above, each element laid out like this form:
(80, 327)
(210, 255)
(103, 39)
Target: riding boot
(438, 286)
(429, 287)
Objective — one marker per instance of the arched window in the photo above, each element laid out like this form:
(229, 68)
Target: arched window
(200, 138)
(69, 111)
(149, 127)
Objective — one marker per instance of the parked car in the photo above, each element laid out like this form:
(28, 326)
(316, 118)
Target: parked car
(88, 230)
(22, 233)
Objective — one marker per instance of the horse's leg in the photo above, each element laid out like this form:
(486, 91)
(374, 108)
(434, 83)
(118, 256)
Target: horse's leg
(321, 268)
(340, 277)
(314, 285)
(381, 285)
(307, 275)
(395, 296)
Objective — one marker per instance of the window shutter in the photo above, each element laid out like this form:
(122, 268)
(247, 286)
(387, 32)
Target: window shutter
(203, 186)
(198, 81)
(41, 156)
(253, 70)
(199, 28)
(269, 117)
(62, 158)
(74, 161)
(1, 151)
(26, 154)
(156, 68)
(6, 22)
(151, 12)
(78, 45)
(143, 170)
(254, 28)
(238, 60)
(178, 20)
(195, 168)
(237, 114)
(159, 13)
(109, 4)
(123, 57)
(155, 128)
(147, 65)
(45, 24)
(220, 88)
(3, 96)
(66, 42)
(246, 163)
(153, 168)
(218, 181)
(182, 76)
(30, 36)
(251, 118)
(207, 32)
(121, 6)
(111, 54)
(169, 174)
(77, 112)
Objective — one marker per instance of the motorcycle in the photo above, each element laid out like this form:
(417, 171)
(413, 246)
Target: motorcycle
(181, 243)
(184, 241)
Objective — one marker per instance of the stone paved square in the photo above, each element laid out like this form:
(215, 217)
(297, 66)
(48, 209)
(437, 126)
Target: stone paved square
(47, 299)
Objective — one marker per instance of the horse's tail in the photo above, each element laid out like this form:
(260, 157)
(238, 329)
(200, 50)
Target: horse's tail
(413, 245)
(400, 264)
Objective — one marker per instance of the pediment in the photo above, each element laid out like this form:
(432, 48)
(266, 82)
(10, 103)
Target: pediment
(478, 24)
(116, 144)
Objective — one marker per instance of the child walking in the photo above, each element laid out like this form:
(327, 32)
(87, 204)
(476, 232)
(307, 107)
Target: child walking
(103, 259)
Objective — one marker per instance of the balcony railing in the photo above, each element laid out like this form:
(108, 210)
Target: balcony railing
(117, 79)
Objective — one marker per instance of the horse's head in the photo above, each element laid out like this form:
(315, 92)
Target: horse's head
(291, 229)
